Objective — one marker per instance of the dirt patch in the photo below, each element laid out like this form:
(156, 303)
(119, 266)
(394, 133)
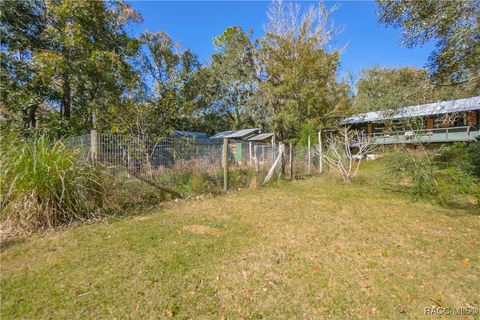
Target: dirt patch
(199, 229)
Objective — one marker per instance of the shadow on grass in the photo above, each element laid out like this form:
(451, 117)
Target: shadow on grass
(10, 242)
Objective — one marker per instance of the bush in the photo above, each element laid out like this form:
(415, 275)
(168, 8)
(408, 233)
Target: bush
(418, 170)
(474, 155)
(447, 177)
(44, 185)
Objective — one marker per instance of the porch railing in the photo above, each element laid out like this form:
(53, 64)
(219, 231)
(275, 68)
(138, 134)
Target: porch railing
(464, 133)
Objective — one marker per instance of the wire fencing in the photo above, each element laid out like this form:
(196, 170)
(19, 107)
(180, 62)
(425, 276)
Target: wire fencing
(193, 166)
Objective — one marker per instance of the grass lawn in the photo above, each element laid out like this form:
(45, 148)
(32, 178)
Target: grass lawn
(308, 249)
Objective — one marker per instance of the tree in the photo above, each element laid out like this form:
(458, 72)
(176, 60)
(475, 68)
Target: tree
(171, 70)
(392, 88)
(298, 75)
(230, 81)
(72, 58)
(345, 151)
(453, 25)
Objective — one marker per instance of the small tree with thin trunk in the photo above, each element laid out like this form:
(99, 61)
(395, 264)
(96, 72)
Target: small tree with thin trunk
(345, 150)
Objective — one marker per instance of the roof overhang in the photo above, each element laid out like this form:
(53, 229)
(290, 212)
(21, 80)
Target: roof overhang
(261, 137)
(430, 109)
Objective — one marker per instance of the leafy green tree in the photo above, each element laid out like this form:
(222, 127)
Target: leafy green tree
(168, 95)
(391, 88)
(69, 57)
(234, 75)
(453, 25)
(299, 76)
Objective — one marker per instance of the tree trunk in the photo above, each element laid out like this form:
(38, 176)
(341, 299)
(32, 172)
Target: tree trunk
(30, 116)
(66, 97)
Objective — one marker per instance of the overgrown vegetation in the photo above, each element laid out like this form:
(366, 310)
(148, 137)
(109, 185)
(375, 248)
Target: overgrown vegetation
(44, 184)
(191, 179)
(448, 175)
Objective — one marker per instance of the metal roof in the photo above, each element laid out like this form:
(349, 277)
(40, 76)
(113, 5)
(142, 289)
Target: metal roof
(242, 133)
(238, 134)
(190, 134)
(440, 107)
(221, 135)
(261, 137)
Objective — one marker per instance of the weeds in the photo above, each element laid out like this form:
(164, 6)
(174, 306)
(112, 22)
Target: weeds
(44, 185)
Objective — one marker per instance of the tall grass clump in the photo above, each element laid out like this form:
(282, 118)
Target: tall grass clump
(45, 185)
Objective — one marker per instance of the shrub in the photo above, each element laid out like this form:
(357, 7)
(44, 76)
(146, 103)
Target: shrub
(445, 177)
(44, 185)
(418, 170)
(454, 183)
(474, 155)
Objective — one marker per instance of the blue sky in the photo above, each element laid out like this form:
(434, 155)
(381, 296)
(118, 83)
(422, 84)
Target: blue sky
(195, 23)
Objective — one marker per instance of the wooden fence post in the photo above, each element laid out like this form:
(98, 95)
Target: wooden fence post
(290, 162)
(320, 152)
(225, 164)
(94, 145)
(309, 157)
(250, 152)
(273, 149)
(257, 161)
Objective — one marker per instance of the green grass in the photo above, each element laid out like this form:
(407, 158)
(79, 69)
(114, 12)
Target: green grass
(308, 249)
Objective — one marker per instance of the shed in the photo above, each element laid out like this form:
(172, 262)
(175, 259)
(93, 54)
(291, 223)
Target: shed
(236, 140)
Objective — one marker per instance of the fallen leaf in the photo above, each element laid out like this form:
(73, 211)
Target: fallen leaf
(437, 300)
(314, 268)
(466, 261)
(169, 313)
(370, 310)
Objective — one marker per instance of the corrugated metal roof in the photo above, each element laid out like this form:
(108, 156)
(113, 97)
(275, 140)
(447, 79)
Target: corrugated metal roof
(221, 135)
(190, 134)
(441, 107)
(261, 137)
(242, 133)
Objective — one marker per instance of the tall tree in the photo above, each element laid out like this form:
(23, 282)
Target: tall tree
(74, 53)
(453, 25)
(391, 88)
(169, 96)
(299, 75)
(234, 74)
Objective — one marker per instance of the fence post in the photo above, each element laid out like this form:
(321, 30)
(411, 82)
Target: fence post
(273, 149)
(320, 152)
(250, 152)
(225, 164)
(93, 144)
(309, 157)
(257, 161)
(290, 162)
